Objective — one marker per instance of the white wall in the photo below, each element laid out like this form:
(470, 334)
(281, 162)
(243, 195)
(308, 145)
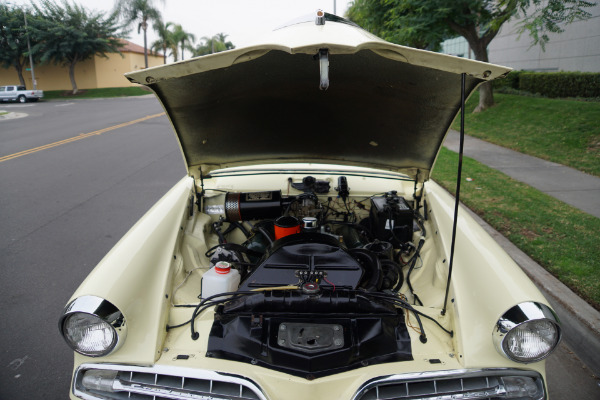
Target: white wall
(576, 49)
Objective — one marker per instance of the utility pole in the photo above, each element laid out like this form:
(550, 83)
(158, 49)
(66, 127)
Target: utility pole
(29, 50)
(334, 10)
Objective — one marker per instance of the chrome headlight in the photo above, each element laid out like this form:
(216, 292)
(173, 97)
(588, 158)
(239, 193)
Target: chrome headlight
(528, 332)
(92, 326)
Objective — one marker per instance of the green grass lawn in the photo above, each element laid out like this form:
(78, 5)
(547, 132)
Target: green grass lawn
(96, 93)
(564, 131)
(559, 237)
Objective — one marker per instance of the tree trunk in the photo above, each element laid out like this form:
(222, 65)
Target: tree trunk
(479, 46)
(144, 26)
(72, 75)
(486, 97)
(486, 91)
(145, 47)
(19, 67)
(164, 54)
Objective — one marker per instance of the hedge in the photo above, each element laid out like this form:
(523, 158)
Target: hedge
(553, 84)
(511, 80)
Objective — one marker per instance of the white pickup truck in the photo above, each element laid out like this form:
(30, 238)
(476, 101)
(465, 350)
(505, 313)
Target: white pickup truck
(20, 94)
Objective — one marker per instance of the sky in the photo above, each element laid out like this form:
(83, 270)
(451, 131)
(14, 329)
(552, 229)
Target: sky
(242, 20)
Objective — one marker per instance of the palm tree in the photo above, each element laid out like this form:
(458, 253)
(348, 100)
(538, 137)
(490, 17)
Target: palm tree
(203, 48)
(165, 40)
(183, 38)
(141, 11)
(222, 38)
(215, 44)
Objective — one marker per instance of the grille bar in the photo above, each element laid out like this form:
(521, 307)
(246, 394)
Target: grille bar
(121, 382)
(455, 385)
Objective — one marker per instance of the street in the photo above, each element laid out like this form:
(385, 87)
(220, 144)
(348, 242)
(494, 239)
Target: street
(74, 177)
(62, 208)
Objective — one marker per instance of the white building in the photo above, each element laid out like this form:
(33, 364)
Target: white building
(576, 49)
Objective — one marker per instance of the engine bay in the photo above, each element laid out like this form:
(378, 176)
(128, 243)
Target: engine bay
(310, 283)
(338, 242)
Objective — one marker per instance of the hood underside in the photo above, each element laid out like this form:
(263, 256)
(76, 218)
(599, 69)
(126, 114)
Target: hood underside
(387, 106)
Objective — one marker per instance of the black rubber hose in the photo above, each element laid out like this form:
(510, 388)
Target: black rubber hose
(419, 219)
(370, 260)
(217, 229)
(206, 303)
(266, 234)
(414, 259)
(242, 228)
(408, 307)
(398, 268)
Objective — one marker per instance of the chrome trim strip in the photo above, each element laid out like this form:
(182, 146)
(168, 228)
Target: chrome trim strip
(102, 309)
(447, 374)
(179, 372)
(519, 314)
(229, 172)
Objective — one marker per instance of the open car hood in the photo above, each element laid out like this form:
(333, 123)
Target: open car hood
(387, 106)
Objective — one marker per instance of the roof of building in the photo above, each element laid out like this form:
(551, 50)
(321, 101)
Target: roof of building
(136, 48)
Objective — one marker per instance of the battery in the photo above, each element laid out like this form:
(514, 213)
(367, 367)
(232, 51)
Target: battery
(391, 219)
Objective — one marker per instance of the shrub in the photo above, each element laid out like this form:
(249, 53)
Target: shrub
(561, 84)
(511, 81)
(551, 84)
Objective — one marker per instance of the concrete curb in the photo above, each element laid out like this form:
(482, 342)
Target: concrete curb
(12, 115)
(580, 321)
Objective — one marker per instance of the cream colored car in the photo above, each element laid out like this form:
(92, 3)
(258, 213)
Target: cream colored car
(307, 254)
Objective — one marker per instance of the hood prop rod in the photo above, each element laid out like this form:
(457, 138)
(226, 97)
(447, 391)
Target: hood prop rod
(458, 179)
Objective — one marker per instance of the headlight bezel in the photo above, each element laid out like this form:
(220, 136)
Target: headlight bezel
(517, 317)
(102, 310)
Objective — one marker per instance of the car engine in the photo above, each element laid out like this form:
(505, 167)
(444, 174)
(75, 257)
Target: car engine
(319, 278)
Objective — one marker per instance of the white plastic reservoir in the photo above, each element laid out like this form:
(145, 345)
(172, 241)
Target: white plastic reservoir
(220, 279)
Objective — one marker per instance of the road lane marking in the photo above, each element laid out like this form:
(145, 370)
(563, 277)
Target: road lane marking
(76, 138)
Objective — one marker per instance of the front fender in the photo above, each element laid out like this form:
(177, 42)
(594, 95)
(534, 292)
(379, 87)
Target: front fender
(134, 276)
(486, 282)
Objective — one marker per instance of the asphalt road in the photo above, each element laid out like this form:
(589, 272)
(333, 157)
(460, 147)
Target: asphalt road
(74, 177)
(61, 209)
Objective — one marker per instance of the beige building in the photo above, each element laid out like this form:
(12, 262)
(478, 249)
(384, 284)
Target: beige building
(97, 72)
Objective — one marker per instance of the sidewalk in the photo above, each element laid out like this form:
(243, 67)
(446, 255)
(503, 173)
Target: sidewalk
(563, 183)
(580, 321)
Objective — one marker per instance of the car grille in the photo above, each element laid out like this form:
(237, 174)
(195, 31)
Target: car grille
(165, 383)
(455, 385)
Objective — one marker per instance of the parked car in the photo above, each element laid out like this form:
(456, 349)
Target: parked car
(307, 254)
(20, 94)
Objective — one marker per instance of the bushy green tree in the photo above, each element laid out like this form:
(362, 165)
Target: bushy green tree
(141, 12)
(377, 16)
(426, 23)
(68, 33)
(13, 38)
